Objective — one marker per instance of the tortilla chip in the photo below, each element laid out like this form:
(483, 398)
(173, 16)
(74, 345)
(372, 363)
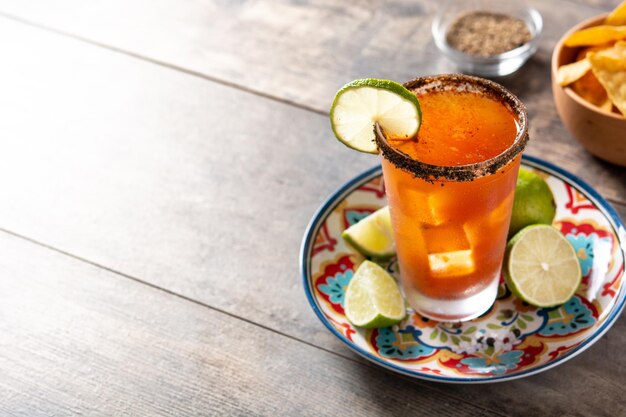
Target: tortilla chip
(607, 105)
(617, 16)
(589, 88)
(617, 52)
(596, 35)
(582, 54)
(569, 73)
(611, 73)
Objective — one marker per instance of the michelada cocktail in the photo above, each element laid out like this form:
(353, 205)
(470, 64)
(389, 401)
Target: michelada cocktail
(450, 191)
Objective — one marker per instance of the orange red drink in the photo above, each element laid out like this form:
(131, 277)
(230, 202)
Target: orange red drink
(450, 193)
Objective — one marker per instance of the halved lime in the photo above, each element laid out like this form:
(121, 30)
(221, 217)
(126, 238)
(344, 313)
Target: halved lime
(362, 103)
(372, 236)
(541, 266)
(373, 299)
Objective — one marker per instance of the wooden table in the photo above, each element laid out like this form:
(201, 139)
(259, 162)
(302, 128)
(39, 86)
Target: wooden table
(160, 161)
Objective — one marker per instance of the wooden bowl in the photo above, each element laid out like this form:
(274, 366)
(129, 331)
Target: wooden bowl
(600, 132)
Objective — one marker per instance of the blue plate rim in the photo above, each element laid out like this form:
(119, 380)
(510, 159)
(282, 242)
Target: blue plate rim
(600, 202)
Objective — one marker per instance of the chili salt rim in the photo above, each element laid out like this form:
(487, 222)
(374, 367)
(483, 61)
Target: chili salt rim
(459, 173)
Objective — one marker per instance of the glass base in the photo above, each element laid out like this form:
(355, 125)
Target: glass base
(462, 309)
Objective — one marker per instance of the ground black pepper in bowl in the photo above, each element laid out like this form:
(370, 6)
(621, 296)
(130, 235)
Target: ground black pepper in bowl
(487, 34)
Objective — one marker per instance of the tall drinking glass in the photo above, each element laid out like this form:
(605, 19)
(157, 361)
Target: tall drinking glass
(450, 193)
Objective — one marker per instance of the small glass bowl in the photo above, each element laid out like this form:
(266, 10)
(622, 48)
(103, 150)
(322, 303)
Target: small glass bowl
(493, 66)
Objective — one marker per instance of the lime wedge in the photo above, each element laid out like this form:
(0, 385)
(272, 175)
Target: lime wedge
(373, 299)
(362, 103)
(372, 236)
(541, 266)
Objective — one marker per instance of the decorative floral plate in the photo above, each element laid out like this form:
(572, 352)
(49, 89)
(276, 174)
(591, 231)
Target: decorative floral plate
(513, 339)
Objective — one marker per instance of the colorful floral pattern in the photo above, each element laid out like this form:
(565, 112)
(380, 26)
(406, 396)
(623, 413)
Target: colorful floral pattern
(513, 337)
(335, 286)
(493, 362)
(584, 250)
(323, 241)
(570, 318)
(584, 246)
(498, 364)
(333, 279)
(402, 344)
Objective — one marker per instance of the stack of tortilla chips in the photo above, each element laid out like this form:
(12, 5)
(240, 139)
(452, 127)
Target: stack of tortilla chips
(599, 73)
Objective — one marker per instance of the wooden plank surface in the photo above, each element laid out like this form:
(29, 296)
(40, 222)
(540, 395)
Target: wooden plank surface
(134, 165)
(303, 52)
(146, 170)
(299, 51)
(79, 340)
(605, 4)
(131, 166)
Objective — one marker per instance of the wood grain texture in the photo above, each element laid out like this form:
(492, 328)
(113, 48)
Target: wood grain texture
(78, 340)
(145, 170)
(604, 4)
(303, 52)
(148, 171)
(297, 50)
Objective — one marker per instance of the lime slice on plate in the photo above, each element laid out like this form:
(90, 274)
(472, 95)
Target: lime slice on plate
(372, 236)
(373, 299)
(541, 266)
(362, 103)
